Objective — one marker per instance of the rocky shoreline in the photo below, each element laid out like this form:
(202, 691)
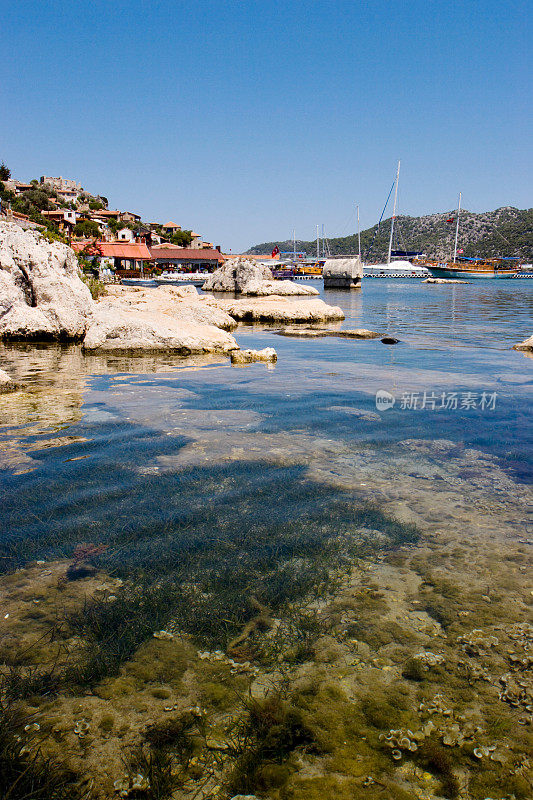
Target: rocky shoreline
(42, 298)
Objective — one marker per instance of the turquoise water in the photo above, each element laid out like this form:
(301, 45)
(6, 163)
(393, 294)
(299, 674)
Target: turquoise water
(125, 450)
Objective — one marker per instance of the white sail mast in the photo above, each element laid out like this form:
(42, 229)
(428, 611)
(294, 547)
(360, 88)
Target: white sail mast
(358, 234)
(457, 229)
(393, 212)
(317, 244)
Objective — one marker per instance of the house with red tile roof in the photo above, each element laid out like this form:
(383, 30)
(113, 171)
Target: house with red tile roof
(117, 256)
(170, 227)
(171, 256)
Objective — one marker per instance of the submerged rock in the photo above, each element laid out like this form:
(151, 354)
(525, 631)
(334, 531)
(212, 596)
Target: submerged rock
(42, 296)
(267, 355)
(444, 280)
(356, 333)
(527, 345)
(7, 384)
(76, 572)
(313, 333)
(359, 413)
(245, 797)
(389, 340)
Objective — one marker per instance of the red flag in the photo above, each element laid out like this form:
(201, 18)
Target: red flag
(275, 251)
(452, 219)
(460, 251)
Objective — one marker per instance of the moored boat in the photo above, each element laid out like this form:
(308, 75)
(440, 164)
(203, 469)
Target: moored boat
(395, 269)
(138, 282)
(468, 268)
(181, 279)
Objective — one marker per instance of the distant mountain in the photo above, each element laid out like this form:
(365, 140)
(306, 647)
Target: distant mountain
(507, 231)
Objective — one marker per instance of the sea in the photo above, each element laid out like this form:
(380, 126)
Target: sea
(297, 580)
(77, 446)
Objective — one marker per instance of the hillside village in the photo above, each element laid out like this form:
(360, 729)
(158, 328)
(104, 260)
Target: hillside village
(110, 241)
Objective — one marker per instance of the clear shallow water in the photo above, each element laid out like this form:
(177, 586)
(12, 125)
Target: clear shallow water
(99, 446)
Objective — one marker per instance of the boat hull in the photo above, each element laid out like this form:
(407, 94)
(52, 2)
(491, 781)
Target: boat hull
(137, 282)
(184, 281)
(472, 274)
(396, 269)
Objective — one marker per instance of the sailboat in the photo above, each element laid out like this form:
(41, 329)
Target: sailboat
(463, 267)
(394, 269)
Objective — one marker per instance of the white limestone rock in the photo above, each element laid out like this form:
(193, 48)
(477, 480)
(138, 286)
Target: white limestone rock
(7, 384)
(277, 309)
(235, 275)
(268, 355)
(244, 276)
(134, 331)
(42, 296)
(281, 288)
(181, 302)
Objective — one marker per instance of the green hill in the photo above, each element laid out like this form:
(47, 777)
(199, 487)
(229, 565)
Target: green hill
(507, 231)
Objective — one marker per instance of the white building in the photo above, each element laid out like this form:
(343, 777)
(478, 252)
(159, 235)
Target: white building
(125, 235)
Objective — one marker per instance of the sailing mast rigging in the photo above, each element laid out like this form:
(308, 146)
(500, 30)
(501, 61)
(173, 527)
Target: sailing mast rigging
(457, 230)
(393, 213)
(358, 234)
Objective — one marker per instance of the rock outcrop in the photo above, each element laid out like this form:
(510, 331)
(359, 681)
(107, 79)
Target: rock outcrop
(267, 355)
(7, 384)
(243, 276)
(129, 331)
(183, 303)
(235, 275)
(42, 296)
(526, 345)
(180, 320)
(280, 288)
(277, 309)
(169, 318)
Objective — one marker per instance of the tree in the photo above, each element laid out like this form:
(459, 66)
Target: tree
(182, 238)
(5, 172)
(5, 194)
(37, 198)
(87, 228)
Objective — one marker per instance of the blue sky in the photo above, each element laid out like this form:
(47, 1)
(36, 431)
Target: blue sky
(244, 120)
